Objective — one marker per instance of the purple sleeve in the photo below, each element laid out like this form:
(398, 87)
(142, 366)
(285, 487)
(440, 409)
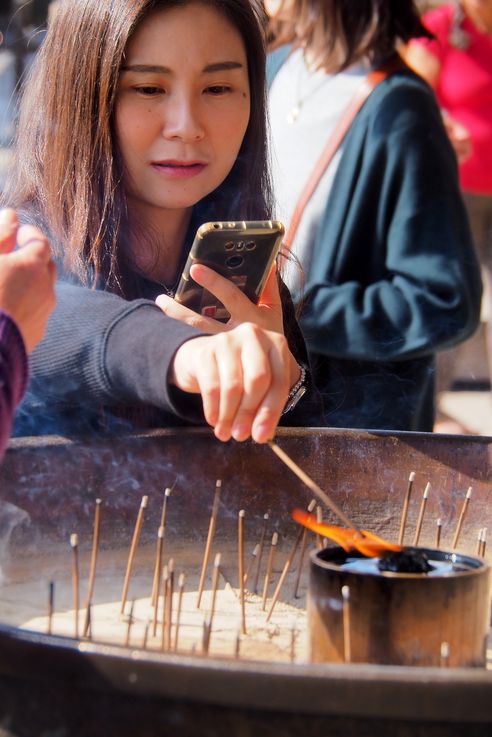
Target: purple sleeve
(13, 375)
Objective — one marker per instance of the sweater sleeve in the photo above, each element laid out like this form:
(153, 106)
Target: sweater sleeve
(13, 374)
(395, 275)
(100, 349)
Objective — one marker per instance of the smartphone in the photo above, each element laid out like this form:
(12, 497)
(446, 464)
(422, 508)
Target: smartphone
(242, 251)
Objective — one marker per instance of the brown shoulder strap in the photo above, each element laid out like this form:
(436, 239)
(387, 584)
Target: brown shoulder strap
(333, 143)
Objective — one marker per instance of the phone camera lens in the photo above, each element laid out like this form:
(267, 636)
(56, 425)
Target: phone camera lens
(228, 245)
(250, 245)
(239, 246)
(234, 262)
(216, 226)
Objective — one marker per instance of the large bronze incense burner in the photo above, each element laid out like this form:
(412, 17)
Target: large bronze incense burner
(136, 658)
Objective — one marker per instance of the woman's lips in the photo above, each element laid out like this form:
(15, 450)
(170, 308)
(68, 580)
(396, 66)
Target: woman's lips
(179, 169)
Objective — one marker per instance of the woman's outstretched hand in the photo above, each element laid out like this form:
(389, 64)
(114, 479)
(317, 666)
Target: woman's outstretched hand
(27, 277)
(244, 370)
(243, 376)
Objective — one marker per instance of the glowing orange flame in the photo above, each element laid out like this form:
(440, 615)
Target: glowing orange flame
(368, 544)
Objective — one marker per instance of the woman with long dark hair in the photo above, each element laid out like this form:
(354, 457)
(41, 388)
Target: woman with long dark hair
(142, 119)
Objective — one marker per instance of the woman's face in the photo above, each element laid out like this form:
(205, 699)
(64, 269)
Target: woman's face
(182, 107)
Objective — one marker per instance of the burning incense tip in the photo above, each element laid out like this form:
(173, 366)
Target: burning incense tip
(311, 505)
(167, 492)
(426, 490)
(144, 502)
(412, 476)
(469, 492)
(242, 513)
(363, 541)
(345, 593)
(74, 540)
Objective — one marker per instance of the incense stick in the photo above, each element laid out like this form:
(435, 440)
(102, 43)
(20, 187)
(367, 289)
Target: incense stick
(133, 550)
(160, 546)
(93, 565)
(51, 606)
(261, 544)
(215, 584)
(268, 574)
(169, 603)
(438, 532)
(319, 520)
(157, 567)
(129, 624)
(240, 554)
(347, 650)
(310, 508)
(293, 638)
(165, 576)
(420, 520)
(284, 573)
(145, 636)
(479, 541)
(404, 512)
(317, 490)
(461, 517)
(74, 544)
(445, 649)
(205, 636)
(237, 645)
(181, 582)
(210, 537)
(483, 542)
(252, 559)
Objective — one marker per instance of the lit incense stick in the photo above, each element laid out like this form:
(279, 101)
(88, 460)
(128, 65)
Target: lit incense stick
(133, 550)
(317, 490)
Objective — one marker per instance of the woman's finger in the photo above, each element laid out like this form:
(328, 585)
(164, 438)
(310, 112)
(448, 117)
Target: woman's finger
(8, 230)
(177, 311)
(233, 299)
(229, 360)
(270, 411)
(266, 387)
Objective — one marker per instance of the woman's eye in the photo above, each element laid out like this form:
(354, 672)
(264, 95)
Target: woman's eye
(149, 91)
(218, 89)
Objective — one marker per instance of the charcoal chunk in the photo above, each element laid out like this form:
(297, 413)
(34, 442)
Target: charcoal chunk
(408, 560)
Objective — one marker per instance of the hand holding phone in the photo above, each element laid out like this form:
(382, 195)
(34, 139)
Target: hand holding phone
(243, 252)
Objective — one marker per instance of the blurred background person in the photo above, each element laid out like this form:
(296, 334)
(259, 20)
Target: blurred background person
(383, 239)
(457, 63)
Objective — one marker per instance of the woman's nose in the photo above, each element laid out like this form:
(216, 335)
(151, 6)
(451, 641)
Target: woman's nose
(182, 119)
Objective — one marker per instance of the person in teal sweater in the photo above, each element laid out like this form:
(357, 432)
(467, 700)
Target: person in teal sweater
(390, 272)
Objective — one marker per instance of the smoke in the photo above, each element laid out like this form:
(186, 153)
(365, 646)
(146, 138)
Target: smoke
(10, 518)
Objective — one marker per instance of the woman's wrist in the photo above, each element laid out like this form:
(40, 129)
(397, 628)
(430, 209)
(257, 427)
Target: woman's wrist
(297, 390)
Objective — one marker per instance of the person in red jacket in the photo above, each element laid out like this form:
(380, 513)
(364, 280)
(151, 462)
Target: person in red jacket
(27, 298)
(457, 64)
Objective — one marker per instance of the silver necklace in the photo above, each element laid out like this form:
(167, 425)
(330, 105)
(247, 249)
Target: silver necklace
(296, 110)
